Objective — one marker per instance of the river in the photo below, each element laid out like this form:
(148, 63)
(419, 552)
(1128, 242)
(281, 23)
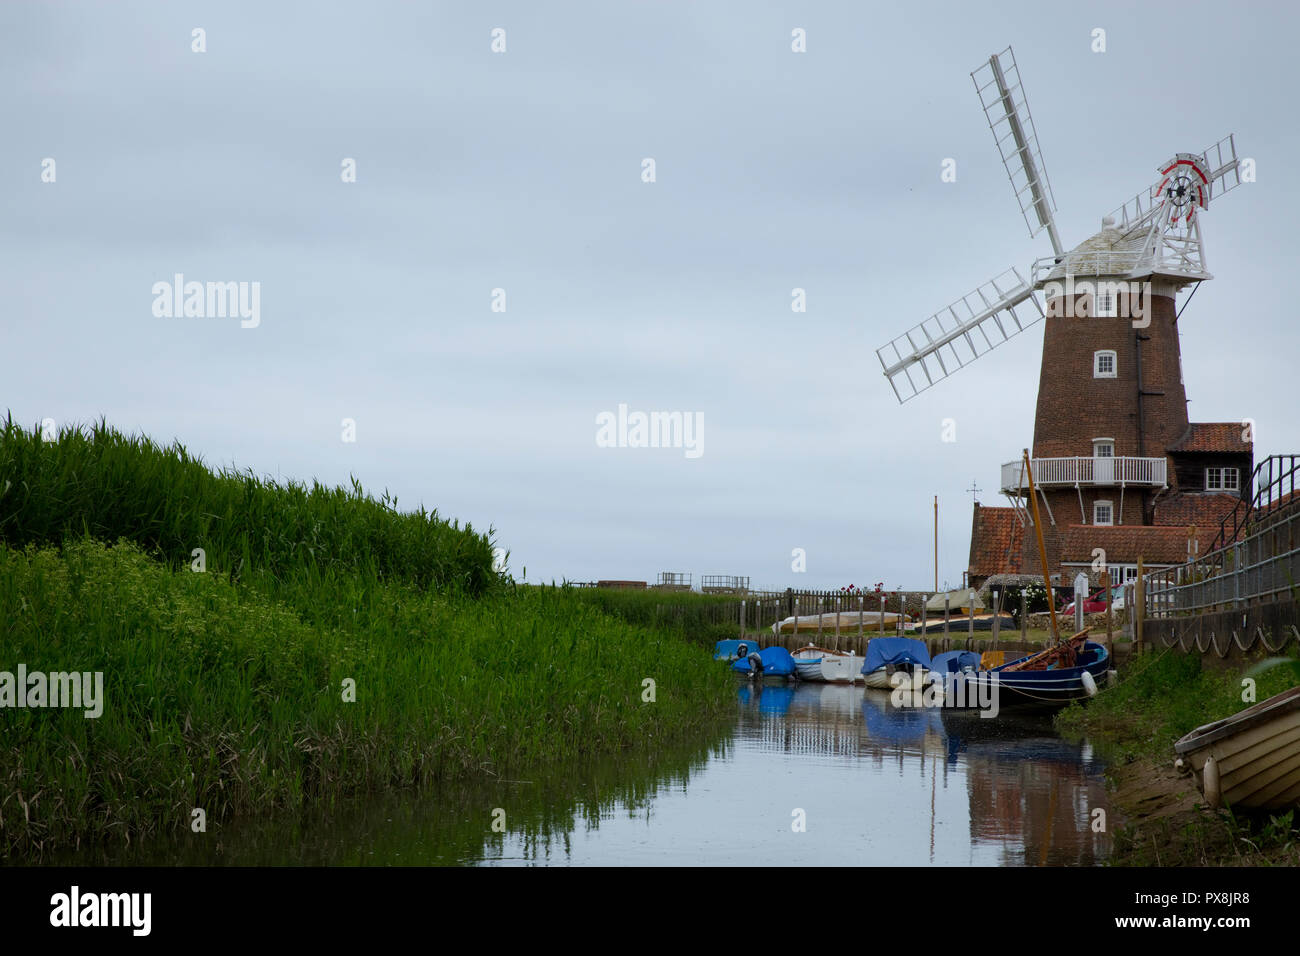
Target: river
(807, 774)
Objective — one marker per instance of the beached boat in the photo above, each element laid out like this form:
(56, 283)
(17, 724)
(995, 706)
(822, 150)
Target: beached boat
(814, 663)
(848, 621)
(886, 656)
(1249, 760)
(773, 662)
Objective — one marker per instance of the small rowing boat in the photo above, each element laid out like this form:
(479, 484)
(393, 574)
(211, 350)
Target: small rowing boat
(1251, 759)
(844, 620)
(814, 663)
(887, 656)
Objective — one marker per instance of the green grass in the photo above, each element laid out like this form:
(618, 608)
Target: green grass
(1159, 698)
(702, 618)
(224, 689)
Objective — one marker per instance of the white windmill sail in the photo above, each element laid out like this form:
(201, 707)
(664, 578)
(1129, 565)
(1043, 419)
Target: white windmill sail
(1145, 234)
(954, 337)
(1006, 108)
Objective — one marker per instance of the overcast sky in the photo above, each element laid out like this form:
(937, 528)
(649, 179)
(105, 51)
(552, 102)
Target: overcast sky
(522, 171)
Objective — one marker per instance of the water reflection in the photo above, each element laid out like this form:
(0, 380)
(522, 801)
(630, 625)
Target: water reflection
(875, 784)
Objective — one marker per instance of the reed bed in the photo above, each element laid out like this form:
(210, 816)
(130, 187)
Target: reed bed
(224, 690)
(96, 481)
(703, 619)
(218, 697)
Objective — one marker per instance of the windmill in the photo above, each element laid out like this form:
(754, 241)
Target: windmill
(1155, 234)
(1112, 441)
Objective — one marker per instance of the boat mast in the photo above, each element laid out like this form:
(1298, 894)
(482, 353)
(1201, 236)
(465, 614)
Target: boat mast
(1042, 549)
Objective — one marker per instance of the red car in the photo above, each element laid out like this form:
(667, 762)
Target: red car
(1093, 604)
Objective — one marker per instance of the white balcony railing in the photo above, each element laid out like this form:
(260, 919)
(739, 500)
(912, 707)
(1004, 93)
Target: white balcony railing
(1056, 472)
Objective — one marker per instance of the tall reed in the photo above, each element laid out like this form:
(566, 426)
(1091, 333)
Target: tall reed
(98, 482)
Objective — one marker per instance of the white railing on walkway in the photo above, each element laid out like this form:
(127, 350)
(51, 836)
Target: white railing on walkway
(1085, 471)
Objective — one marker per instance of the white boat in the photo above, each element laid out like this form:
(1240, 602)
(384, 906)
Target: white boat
(886, 656)
(882, 680)
(1251, 759)
(848, 621)
(814, 663)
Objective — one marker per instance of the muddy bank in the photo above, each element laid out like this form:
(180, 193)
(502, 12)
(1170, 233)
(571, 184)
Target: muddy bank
(1159, 817)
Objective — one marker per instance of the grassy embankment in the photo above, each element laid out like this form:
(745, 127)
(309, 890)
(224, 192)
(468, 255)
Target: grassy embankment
(705, 618)
(1160, 697)
(224, 690)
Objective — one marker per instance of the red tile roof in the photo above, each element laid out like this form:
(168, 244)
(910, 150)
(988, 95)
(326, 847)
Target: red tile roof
(1213, 437)
(1205, 511)
(995, 541)
(1123, 544)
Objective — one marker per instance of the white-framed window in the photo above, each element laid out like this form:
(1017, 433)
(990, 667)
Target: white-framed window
(1103, 305)
(1103, 448)
(1103, 364)
(1221, 479)
(1103, 512)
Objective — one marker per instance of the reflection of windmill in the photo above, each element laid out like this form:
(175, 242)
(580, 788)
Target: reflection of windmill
(1159, 235)
(1112, 409)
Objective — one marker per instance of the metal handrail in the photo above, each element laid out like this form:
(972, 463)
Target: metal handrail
(1267, 493)
(1257, 568)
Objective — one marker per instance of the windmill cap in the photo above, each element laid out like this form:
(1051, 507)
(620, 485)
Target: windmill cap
(1107, 221)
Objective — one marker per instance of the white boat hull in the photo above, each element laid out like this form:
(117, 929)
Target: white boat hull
(830, 667)
(1251, 759)
(882, 680)
(848, 622)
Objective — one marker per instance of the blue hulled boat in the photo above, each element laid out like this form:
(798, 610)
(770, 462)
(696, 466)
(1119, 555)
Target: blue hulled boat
(1053, 686)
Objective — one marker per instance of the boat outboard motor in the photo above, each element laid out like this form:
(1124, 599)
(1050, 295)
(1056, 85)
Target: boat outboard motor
(742, 650)
(755, 664)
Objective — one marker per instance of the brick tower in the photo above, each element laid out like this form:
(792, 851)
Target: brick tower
(1121, 471)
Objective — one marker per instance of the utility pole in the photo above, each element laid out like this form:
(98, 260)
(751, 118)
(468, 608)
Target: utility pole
(936, 542)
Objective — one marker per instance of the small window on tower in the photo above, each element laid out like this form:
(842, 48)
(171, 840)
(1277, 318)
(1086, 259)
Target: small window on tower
(1103, 513)
(1103, 305)
(1103, 364)
(1221, 479)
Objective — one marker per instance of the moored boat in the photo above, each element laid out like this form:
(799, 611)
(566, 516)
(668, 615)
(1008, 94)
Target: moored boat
(773, 662)
(1249, 760)
(954, 662)
(887, 656)
(1019, 682)
(814, 663)
(734, 649)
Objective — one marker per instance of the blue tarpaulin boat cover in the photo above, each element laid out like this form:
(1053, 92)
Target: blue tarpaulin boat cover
(954, 662)
(732, 649)
(777, 662)
(898, 651)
